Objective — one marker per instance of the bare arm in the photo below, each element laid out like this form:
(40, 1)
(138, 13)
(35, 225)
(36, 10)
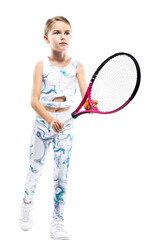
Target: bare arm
(83, 84)
(81, 77)
(35, 98)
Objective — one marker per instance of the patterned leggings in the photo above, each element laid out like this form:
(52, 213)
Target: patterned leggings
(43, 135)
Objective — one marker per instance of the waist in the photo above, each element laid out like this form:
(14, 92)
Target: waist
(51, 109)
(60, 115)
(56, 104)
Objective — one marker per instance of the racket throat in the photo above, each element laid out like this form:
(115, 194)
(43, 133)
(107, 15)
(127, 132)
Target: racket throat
(74, 115)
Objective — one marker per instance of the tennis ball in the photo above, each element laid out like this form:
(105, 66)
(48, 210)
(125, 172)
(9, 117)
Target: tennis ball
(86, 104)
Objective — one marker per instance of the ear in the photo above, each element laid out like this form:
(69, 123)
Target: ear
(46, 39)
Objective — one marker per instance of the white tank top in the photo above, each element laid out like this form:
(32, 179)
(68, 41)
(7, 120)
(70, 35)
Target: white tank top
(58, 82)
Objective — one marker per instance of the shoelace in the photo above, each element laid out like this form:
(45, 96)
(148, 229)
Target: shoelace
(59, 227)
(26, 215)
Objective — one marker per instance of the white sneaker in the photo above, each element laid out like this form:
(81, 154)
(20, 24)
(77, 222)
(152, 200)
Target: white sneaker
(25, 220)
(58, 231)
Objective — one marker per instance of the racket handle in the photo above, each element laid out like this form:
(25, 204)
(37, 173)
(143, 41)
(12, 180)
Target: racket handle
(66, 121)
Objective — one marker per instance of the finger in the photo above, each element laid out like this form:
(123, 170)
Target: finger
(61, 126)
(54, 126)
(57, 127)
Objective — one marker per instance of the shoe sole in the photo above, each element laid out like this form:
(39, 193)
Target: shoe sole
(26, 228)
(61, 238)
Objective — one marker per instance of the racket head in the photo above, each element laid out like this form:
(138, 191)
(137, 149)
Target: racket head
(115, 83)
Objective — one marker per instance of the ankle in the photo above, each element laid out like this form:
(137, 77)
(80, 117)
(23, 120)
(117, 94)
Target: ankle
(27, 202)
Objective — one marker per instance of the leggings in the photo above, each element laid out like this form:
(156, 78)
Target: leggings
(43, 135)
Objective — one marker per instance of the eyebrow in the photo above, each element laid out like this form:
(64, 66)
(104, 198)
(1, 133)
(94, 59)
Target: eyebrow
(60, 30)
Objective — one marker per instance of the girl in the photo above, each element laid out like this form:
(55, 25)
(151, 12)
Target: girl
(54, 87)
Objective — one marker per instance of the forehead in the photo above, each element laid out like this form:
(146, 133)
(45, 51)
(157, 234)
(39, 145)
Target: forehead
(59, 25)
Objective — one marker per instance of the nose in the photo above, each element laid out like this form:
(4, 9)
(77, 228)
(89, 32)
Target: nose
(62, 36)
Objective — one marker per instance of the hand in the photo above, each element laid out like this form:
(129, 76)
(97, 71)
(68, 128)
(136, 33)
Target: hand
(57, 125)
(87, 106)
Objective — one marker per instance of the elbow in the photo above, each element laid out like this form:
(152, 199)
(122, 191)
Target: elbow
(34, 103)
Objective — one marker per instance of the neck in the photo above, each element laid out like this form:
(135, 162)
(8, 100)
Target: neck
(59, 56)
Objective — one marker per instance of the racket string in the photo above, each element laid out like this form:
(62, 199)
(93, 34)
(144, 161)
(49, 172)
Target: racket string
(114, 83)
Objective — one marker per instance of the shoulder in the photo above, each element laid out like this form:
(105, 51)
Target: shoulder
(38, 66)
(80, 67)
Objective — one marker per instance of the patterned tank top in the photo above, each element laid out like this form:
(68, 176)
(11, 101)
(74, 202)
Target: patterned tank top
(58, 82)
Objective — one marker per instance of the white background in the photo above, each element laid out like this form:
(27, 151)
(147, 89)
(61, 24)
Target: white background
(114, 175)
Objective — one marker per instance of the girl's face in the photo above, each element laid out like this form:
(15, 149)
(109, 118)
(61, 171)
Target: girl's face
(59, 36)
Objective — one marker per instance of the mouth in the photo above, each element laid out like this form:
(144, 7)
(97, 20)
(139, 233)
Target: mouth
(63, 43)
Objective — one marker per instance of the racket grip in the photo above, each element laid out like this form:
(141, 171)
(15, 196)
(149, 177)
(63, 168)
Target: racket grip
(66, 121)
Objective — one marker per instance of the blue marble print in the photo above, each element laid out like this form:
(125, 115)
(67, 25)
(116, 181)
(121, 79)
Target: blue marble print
(50, 91)
(41, 139)
(68, 75)
(58, 82)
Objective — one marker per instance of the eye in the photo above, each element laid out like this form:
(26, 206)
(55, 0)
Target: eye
(67, 33)
(56, 33)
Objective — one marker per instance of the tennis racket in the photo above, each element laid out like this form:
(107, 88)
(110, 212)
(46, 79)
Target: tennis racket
(113, 85)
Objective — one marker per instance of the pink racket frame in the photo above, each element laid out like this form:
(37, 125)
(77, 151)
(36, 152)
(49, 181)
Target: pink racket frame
(94, 110)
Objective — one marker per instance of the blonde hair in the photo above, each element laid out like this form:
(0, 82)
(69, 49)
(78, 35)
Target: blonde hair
(50, 21)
